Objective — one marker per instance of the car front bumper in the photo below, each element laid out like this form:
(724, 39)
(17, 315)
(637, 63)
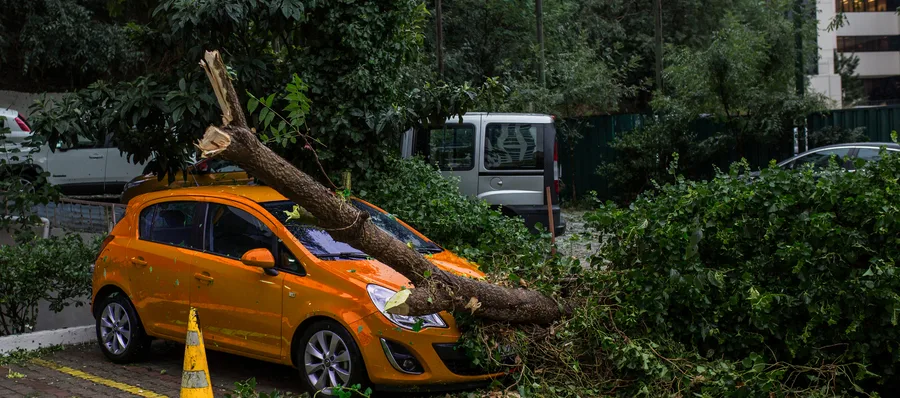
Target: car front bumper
(443, 367)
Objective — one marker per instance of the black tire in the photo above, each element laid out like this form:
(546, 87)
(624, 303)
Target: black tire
(357, 368)
(137, 344)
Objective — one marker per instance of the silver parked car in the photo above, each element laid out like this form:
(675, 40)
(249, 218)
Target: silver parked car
(507, 159)
(845, 155)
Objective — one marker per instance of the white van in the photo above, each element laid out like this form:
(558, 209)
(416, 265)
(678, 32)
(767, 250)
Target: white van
(507, 159)
(86, 168)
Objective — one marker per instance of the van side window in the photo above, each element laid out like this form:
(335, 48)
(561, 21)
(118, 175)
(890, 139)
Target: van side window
(514, 146)
(452, 147)
(233, 232)
(170, 223)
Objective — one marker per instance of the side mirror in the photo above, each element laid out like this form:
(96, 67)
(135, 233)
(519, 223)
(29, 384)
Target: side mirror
(261, 258)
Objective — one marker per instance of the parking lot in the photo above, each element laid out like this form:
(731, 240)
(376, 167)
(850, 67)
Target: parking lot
(82, 371)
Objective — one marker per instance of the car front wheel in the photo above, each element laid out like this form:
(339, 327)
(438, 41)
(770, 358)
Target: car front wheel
(329, 359)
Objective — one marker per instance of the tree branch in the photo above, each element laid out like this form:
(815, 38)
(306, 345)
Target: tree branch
(439, 291)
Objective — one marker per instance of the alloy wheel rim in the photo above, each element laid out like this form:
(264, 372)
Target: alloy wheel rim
(115, 328)
(327, 361)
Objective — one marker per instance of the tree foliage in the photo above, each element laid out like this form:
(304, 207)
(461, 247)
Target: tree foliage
(740, 86)
(56, 44)
(359, 61)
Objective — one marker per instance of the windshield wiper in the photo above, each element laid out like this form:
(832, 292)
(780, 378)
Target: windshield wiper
(431, 250)
(350, 255)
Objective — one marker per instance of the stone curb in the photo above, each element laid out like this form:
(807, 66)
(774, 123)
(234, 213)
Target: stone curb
(47, 338)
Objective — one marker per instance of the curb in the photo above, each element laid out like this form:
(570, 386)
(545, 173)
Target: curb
(47, 338)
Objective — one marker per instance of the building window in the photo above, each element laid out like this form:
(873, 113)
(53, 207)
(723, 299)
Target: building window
(860, 44)
(866, 5)
(883, 90)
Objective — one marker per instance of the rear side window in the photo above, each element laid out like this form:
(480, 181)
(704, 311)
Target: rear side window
(871, 154)
(514, 146)
(451, 147)
(233, 232)
(819, 160)
(171, 223)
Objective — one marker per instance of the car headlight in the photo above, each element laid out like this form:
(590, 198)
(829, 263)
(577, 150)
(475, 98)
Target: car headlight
(380, 295)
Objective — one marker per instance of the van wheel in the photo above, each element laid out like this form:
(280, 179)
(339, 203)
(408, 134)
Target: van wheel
(329, 359)
(120, 333)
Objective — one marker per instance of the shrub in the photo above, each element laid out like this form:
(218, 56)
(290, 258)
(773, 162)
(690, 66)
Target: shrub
(591, 353)
(836, 135)
(796, 267)
(55, 269)
(419, 195)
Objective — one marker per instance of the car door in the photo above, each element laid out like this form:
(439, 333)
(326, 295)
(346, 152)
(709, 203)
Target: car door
(454, 148)
(119, 171)
(239, 305)
(169, 238)
(78, 169)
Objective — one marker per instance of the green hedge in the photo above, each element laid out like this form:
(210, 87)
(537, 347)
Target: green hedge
(795, 266)
(55, 269)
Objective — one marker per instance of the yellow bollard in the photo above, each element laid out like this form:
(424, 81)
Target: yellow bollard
(195, 381)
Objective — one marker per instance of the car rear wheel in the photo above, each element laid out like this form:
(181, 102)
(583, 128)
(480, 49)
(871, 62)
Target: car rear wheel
(329, 359)
(120, 333)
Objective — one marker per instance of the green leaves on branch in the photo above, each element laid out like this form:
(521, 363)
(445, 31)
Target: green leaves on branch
(285, 130)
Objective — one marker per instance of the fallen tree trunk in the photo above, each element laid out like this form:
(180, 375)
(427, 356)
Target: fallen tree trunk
(435, 290)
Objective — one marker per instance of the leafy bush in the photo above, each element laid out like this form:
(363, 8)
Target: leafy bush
(836, 135)
(794, 266)
(55, 270)
(643, 155)
(419, 195)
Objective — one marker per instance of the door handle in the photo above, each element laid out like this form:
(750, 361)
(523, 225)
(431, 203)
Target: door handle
(203, 277)
(138, 261)
(95, 156)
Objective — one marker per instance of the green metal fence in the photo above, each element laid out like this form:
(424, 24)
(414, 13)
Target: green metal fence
(579, 162)
(878, 121)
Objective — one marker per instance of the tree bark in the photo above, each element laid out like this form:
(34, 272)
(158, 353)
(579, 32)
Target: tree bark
(435, 290)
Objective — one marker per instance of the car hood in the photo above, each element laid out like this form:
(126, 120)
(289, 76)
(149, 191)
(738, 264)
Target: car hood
(374, 271)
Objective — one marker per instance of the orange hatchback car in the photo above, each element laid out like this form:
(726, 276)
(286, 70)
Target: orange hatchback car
(270, 288)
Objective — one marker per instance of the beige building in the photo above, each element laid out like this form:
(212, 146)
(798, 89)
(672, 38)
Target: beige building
(826, 81)
(871, 31)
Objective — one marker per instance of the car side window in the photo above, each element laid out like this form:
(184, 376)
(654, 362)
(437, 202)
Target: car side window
(819, 160)
(82, 142)
(287, 261)
(514, 146)
(232, 232)
(451, 147)
(870, 154)
(170, 223)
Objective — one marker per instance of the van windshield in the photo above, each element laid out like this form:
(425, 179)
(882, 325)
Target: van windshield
(322, 245)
